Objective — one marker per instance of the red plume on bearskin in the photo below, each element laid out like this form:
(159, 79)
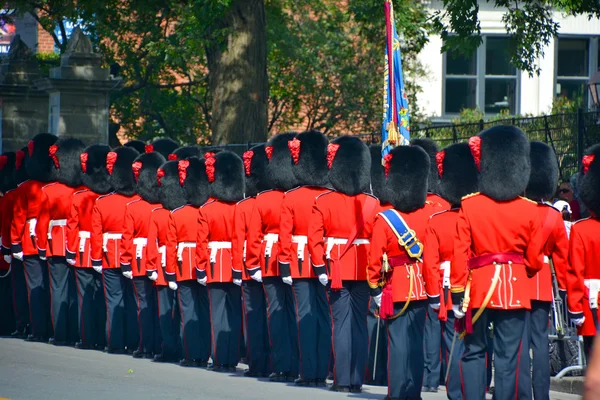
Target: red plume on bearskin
(52, 152)
(148, 148)
(136, 167)
(111, 159)
(210, 169)
(30, 147)
(247, 157)
(172, 157)
(439, 159)
(20, 156)
(475, 146)
(83, 157)
(182, 167)
(587, 161)
(387, 163)
(3, 161)
(269, 152)
(209, 154)
(294, 146)
(160, 173)
(332, 148)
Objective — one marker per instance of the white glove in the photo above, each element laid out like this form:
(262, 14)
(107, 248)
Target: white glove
(435, 306)
(71, 261)
(238, 282)
(18, 256)
(172, 285)
(98, 269)
(8, 259)
(128, 274)
(202, 281)
(377, 299)
(323, 279)
(457, 311)
(43, 258)
(287, 280)
(578, 321)
(257, 276)
(153, 276)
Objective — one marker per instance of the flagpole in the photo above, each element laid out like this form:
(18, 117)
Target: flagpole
(390, 52)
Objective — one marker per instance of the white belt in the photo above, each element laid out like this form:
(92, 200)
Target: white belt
(301, 241)
(184, 245)
(109, 236)
(139, 243)
(83, 237)
(333, 241)
(594, 286)
(163, 255)
(215, 247)
(53, 223)
(270, 239)
(244, 254)
(32, 223)
(445, 266)
(546, 260)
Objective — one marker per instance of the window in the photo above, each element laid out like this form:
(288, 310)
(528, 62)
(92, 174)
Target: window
(572, 68)
(485, 79)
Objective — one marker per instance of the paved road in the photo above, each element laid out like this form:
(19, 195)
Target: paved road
(41, 371)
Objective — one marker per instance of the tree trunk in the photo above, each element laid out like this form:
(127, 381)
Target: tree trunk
(238, 77)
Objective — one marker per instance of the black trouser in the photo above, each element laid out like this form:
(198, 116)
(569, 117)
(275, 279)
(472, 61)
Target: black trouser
(132, 327)
(536, 338)
(145, 296)
(91, 306)
(405, 350)
(349, 309)
(226, 322)
(314, 328)
(255, 323)
(20, 297)
(63, 298)
(168, 315)
(453, 385)
(36, 274)
(114, 290)
(381, 345)
(508, 334)
(7, 314)
(195, 320)
(432, 349)
(283, 329)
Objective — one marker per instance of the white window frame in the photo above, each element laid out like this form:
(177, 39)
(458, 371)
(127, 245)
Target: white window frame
(593, 43)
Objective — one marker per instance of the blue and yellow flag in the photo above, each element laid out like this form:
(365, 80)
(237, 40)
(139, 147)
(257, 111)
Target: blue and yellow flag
(395, 129)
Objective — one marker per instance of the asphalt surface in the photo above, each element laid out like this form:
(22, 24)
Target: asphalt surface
(42, 371)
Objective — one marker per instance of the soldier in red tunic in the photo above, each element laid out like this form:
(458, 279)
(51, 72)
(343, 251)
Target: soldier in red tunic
(458, 178)
(186, 186)
(90, 288)
(28, 200)
(262, 253)
(253, 295)
(498, 247)
(51, 237)
(133, 250)
(309, 155)
(583, 279)
(107, 231)
(7, 314)
(339, 229)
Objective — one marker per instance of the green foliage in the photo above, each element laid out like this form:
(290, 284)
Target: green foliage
(46, 61)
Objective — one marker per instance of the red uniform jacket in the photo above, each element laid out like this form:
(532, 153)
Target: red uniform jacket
(436, 204)
(557, 247)
(3, 264)
(584, 256)
(108, 224)
(26, 210)
(333, 216)
(490, 228)
(264, 221)
(79, 227)
(213, 243)
(181, 244)
(52, 221)
(241, 225)
(8, 202)
(156, 251)
(293, 229)
(135, 236)
(384, 241)
(438, 251)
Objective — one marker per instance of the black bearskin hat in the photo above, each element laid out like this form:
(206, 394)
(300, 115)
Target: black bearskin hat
(93, 168)
(185, 152)
(431, 148)
(543, 179)
(21, 158)
(66, 160)
(118, 164)
(39, 164)
(7, 171)
(407, 169)
(377, 174)
(502, 153)
(458, 173)
(349, 163)
(589, 180)
(144, 171)
(171, 192)
(279, 171)
(163, 146)
(226, 176)
(309, 154)
(255, 166)
(136, 144)
(195, 180)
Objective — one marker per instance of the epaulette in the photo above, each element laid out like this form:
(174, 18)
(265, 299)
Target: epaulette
(529, 200)
(244, 199)
(104, 195)
(48, 185)
(81, 191)
(265, 191)
(470, 195)
(291, 190)
(207, 203)
(581, 220)
(325, 193)
(178, 208)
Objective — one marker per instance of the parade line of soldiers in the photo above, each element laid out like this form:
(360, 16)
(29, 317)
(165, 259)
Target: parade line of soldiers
(291, 254)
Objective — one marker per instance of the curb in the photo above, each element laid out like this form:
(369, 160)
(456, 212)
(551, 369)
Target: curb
(572, 385)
